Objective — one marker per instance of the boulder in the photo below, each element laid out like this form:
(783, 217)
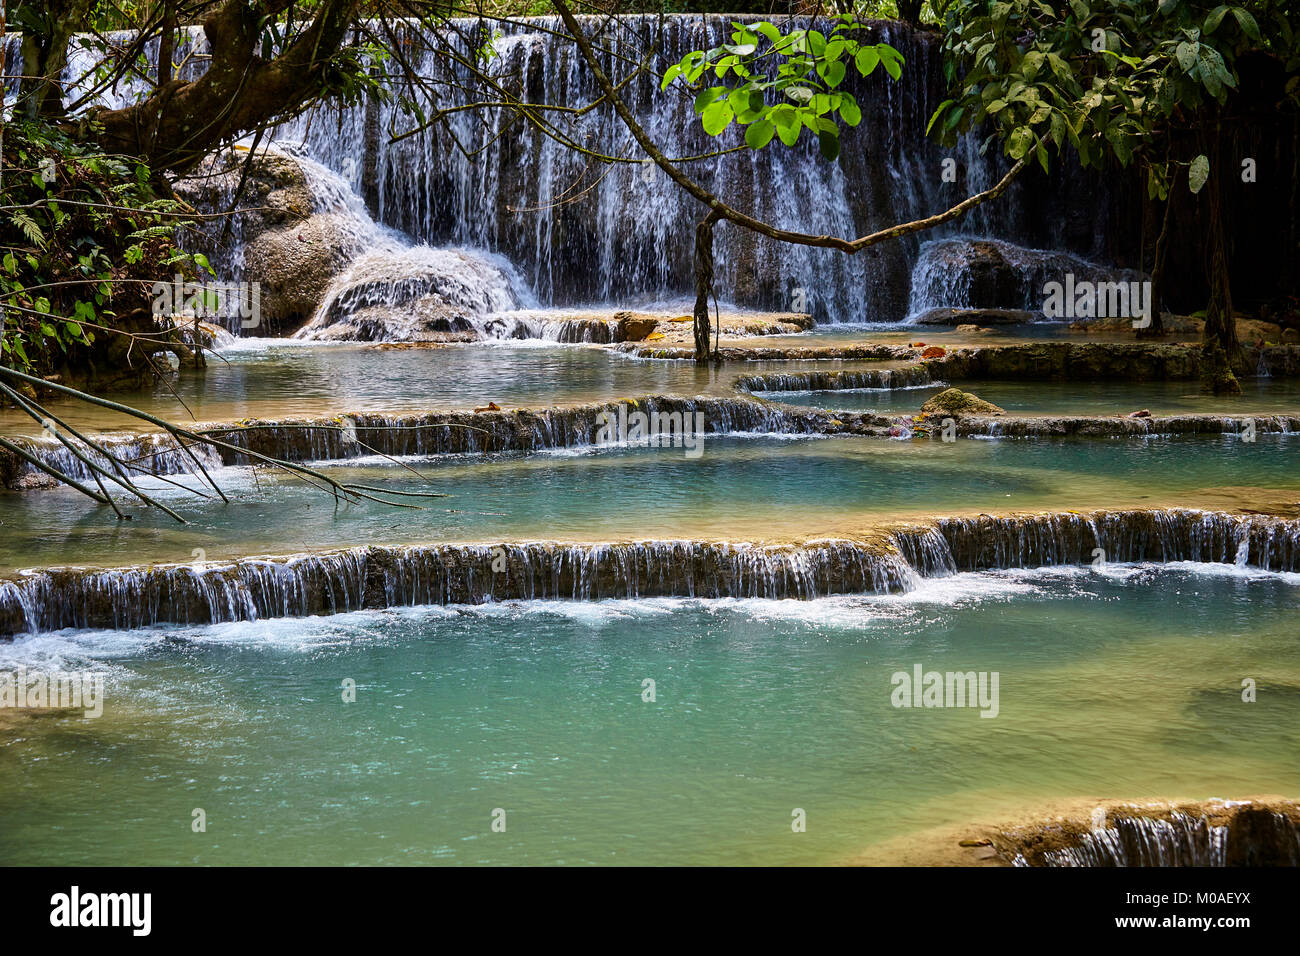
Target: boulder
(980, 318)
(294, 266)
(298, 226)
(953, 401)
(997, 282)
(415, 295)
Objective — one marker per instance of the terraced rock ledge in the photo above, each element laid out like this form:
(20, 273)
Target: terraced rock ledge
(1206, 833)
(888, 559)
(1096, 426)
(361, 434)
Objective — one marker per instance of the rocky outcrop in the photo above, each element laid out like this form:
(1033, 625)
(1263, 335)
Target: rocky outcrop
(1071, 361)
(294, 266)
(999, 280)
(764, 353)
(909, 376)
(297, 227)
(1120, 426)
(884, 560)
(976, 318)
(953, 401)
(1210, 833)
(415, 295)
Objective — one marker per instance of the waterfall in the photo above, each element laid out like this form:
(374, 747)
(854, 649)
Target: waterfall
(360, 434)
(583, 233)
(1214, 834)
(911, 376)
(994, 274)
(532, 430)
(580, 232)
(887, 561)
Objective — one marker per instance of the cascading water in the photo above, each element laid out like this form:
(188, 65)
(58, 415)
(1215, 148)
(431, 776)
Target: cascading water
(993, 274)
(381, 577)
(583, 233)
(1213, 834)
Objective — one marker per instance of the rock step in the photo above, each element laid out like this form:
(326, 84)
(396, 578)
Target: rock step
(888, 559)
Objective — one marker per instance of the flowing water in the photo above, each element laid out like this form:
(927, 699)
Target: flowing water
(1106, 686)
(764, 585)
(806, 486)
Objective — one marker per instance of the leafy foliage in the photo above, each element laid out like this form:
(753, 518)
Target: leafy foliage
(83, 236)
(779, 84)
(1109, 78)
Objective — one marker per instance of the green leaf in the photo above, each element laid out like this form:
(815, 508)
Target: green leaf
(1247, 23)
(893, 69)
(1019, 142)
(850, 112)
(717, 117)
(867, 59)
(830, 144)
(1198, 173)
(942, 106)
(1213, 19)
(759, 134)
(789, 134)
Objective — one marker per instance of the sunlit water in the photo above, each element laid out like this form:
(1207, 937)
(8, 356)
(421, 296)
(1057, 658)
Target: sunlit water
(737, 489)
(276, 379)
(1126, 685)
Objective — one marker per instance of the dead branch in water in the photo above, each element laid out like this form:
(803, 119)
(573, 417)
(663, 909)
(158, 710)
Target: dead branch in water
(105, 465)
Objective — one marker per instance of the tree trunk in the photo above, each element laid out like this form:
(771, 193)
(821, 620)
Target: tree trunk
(1157, 326)
(1220, 349)
(703, 282)
(240, 92)
(910, 11)
(40, 92)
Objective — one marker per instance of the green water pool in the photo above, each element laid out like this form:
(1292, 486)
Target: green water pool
(1118, 684)
(737, 489)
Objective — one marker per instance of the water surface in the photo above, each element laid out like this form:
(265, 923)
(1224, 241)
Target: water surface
(1117, 685)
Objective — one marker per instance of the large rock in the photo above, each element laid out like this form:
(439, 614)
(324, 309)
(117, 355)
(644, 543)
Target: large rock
(953, 401)
(298, 226)
(295, 265)
(417, 295)
(995, 278)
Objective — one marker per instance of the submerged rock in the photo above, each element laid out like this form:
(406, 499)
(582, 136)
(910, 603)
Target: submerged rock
(976, 318)
(953, 401)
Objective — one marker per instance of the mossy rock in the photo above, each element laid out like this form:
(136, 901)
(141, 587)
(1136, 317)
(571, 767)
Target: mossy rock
(953, 401)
